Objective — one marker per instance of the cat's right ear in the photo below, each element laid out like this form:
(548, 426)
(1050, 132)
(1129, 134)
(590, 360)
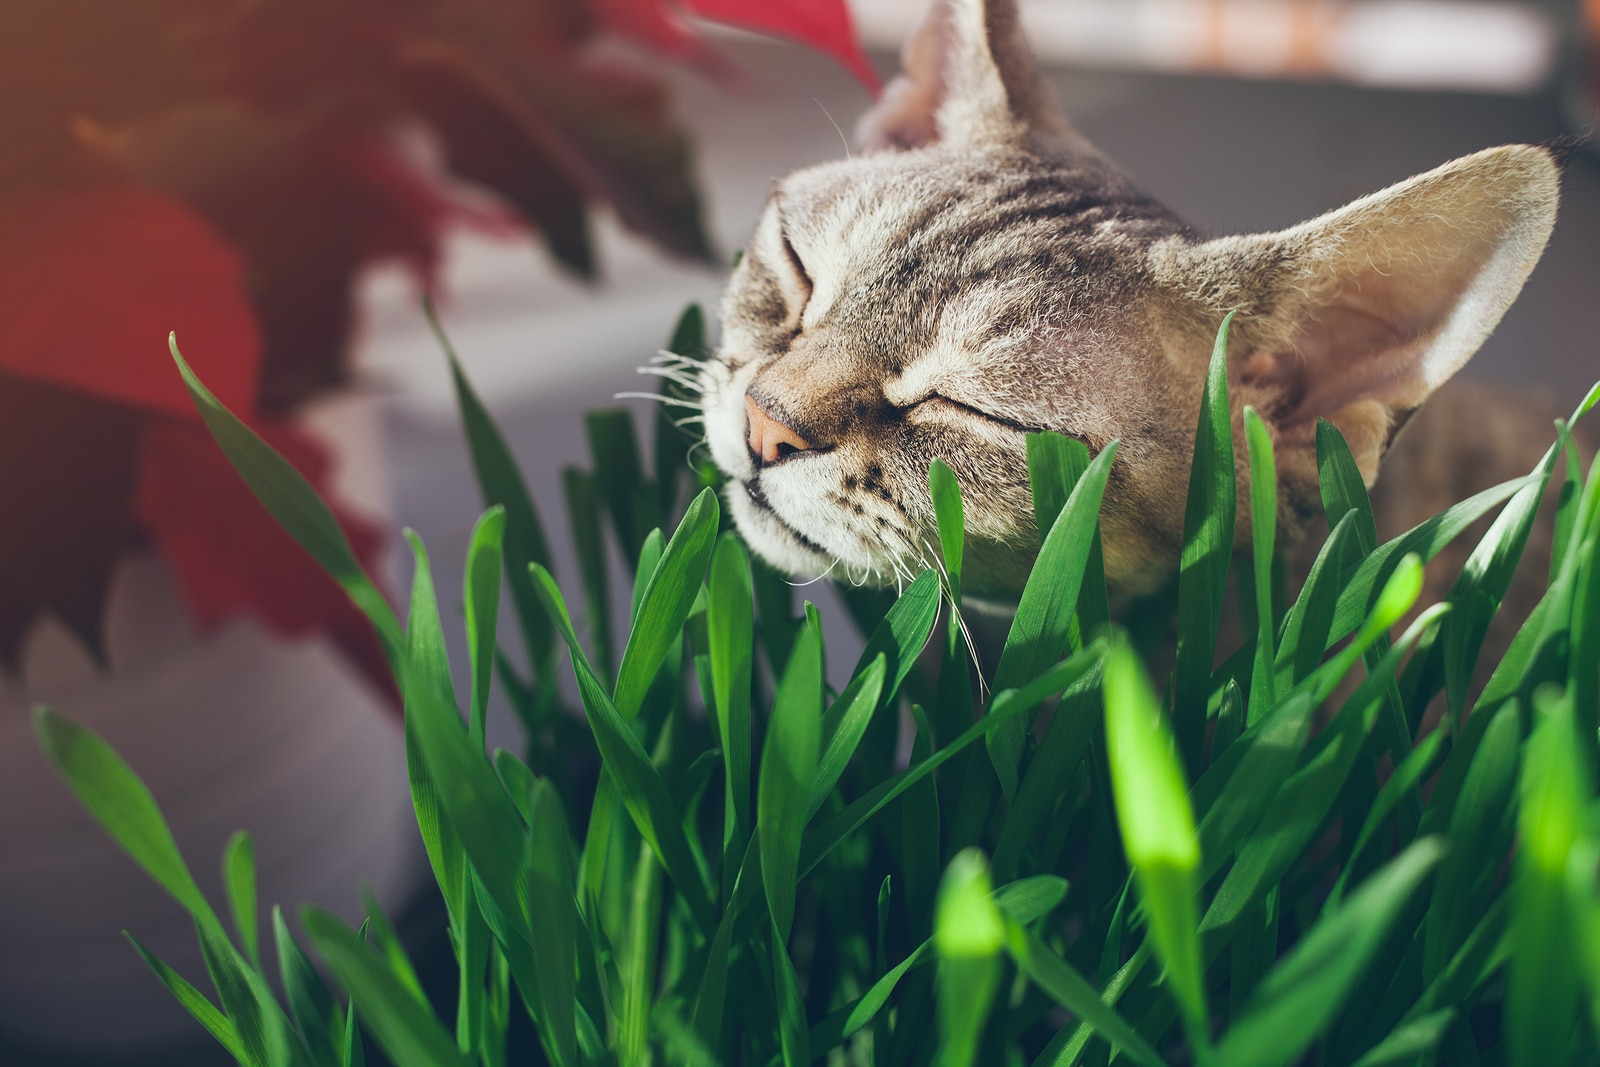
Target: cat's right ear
(967, 78)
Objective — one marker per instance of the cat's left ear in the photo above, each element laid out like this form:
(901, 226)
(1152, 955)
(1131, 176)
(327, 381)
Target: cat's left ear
(967, 78)
(1358, 315)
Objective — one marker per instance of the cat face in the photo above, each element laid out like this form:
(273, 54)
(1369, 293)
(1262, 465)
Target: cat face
(980, 272)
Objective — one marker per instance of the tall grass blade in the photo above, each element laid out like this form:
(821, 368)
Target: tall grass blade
(239, 882)
(969, 934)
(482, 595)
(1300, 997)
(730, 628)
(311, 1005)
(402, 1023)
(286, 494)
(665, 603)
(1045, 613)
(788, 767)
(1263, 535)
(194, 1002)
(1208, 521)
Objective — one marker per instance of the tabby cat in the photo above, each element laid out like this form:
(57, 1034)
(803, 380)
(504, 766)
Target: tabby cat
(979, 271)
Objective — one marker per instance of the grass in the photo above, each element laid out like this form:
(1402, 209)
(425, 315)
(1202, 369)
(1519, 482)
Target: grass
(1084, 865)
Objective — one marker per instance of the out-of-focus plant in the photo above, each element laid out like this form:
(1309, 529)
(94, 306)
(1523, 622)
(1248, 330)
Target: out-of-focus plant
(226, 169)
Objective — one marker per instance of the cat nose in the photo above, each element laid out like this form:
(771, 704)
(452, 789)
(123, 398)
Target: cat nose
(770, 440)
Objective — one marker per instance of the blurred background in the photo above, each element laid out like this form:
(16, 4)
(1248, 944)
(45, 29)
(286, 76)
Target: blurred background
(1242, 115)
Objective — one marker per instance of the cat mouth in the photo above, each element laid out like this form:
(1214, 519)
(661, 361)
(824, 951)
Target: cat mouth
(752, 490)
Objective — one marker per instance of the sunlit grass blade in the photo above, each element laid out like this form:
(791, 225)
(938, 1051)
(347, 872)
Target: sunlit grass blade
(1263, 535)
(1157, 824)
(1542, 977)
(482, 597)
(951, 518)
(311, 1005)
(1300, 997)
(402, 1023)
(194, 1002)
(286, 494)
(638, 784)
(788, 766)
(119, 801)
(1045, 613)
(969, 934)
(665, 603)
(1208, 521)
(239, 882)
(730, 627)
(501, 484)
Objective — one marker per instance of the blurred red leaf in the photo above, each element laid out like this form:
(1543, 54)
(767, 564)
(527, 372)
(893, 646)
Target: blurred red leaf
(67, 469)
(823, 24)
(232, 558)
(93, 279)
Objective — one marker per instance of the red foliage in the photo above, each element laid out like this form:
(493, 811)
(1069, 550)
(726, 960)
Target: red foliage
(224, 171)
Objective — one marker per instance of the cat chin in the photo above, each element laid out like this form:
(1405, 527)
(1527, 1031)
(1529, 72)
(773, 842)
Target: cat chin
(771, 539)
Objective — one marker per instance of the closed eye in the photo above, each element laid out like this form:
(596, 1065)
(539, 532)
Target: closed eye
(939, 400)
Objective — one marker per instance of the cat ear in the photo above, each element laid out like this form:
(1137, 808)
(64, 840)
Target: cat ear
(967, 78)
(1358, 315)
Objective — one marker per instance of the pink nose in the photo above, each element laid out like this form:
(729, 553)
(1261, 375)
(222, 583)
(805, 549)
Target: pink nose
(770, 440)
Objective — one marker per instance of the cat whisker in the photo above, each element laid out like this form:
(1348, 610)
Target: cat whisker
(960, 617)
(687, 381)
(659, 398)
(814, 581)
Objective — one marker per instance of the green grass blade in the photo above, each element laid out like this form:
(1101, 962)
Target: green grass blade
(638, 784)
(1157, 824)
(1412, 772)
(1263, 535)
(249, 1004)
(904, 632)
(655, 543)
(1055, 463)
(286, 494)
(194, 1002)
(1481, 826)
(951, 517)
(1306, 627)
(730, 627)
(1072, 991)
(1267, 754)
(1542, 978)
(843, 725)
(1208, 521)
(788, 767)
(1344, 491)
(1007, 705)
(1039, 633)
(665, 603)
(239, 883)
(637, 959)
(482, 600)
(588, 540)
(311, 1005)
(1040, 792)
(793, 1035)
(116, 798)
(482, 816)
(403, 1024)
(1300, 997)
(969, 933)
(552, 890)
(619, 475)
(1410, 1042)
(502, 485)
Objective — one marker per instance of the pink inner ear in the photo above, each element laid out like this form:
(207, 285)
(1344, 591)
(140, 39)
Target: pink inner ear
(1368, 342)
(906, 115)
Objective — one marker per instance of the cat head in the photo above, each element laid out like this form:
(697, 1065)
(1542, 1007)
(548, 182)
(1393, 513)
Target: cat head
(980, 271)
